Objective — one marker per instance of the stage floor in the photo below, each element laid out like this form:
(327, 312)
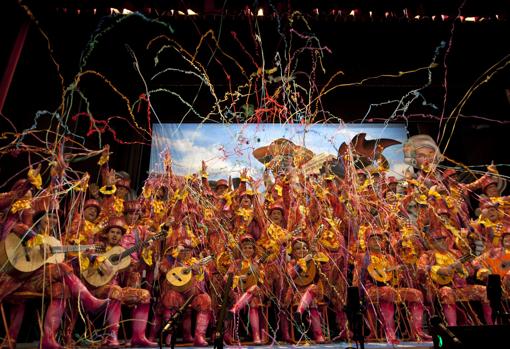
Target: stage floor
(336, 345)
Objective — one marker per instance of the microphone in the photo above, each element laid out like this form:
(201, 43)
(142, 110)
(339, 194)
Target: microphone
(442, 330)
(177, 315)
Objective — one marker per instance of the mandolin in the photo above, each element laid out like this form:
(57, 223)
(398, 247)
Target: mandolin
(120, 259)
(305, 278)
(180, 278)
(19, 260)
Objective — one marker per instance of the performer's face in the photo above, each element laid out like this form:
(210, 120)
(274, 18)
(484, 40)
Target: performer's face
(248, 249)
(376, 244)
(122, 192)
(506, 241)
(276, 216)
(185, 254)
(132, 217)
(161, 193)
(439, 244)
(425, 157)
(299, 249)
(220, 190)
(90, 213)
(491, 213)
(246, 201)
(114, 236)
(48, 222)
(492, 190)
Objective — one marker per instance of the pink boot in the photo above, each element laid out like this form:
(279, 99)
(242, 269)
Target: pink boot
(186, 328)
(140, 316)
(155, 328)
(52, 321)
(255, 325)
(284, 328)
(201, 328)
(16, 319)
(487, 313)
(79, 291)
(316, 326)
(450, 313)
(244, 300)
(417, 322)
(305, 302)
(113, 311)
(388, 314)
(341, 324)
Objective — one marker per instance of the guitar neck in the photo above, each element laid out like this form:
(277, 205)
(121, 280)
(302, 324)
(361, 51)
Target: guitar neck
(71, 248)
(140, 244)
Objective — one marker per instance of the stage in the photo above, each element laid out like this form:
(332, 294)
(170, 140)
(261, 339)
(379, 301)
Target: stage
(336, 345)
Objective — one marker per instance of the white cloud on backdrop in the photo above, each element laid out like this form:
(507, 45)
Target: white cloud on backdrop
(228, 148)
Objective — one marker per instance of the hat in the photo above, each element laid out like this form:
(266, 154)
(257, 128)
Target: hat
(247, 192)
(246, 238)
(123, 182)
(116, 222)
(376, 233)
(221, 182)
(92, 203)
(276, 206)
(416, 142)
(439, 233)
(499, 182)
(299, 238)
(273, 153)
(132, 206)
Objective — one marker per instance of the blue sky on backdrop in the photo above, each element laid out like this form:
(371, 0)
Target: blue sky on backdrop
(228, 148)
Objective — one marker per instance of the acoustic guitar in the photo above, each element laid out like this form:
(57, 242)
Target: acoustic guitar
(120, 259)
(252, 273)
(441, 279)
(381, 273)
(180, 278)
(19, 260)
(306, 278)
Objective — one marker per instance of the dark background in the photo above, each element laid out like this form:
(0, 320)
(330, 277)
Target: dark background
(361, 47)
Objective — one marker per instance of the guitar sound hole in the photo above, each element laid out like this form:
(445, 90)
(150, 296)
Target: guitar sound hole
(114, 259)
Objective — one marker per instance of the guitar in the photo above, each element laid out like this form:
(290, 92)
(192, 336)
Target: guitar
(380, 273)
(252, 274)
(180, 278)
(120, 259)
(306, 278)
(19, 260)
(446, 279)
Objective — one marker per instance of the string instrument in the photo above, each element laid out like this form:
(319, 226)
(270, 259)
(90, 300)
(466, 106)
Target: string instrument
(180, 278)
(305, 278)
(19, 260)
(120, 258)
(252, 273)
(446, 279)
(380, 273)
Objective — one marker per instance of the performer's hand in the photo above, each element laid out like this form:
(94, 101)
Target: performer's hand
(46, 250)
(106, 267)
(483, 275)
(444, 271)
(308, 257)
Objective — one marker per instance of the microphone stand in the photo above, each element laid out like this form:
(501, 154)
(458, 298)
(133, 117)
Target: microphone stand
(220, 324)
(173, 322)
(354, 312)
(494, 294)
